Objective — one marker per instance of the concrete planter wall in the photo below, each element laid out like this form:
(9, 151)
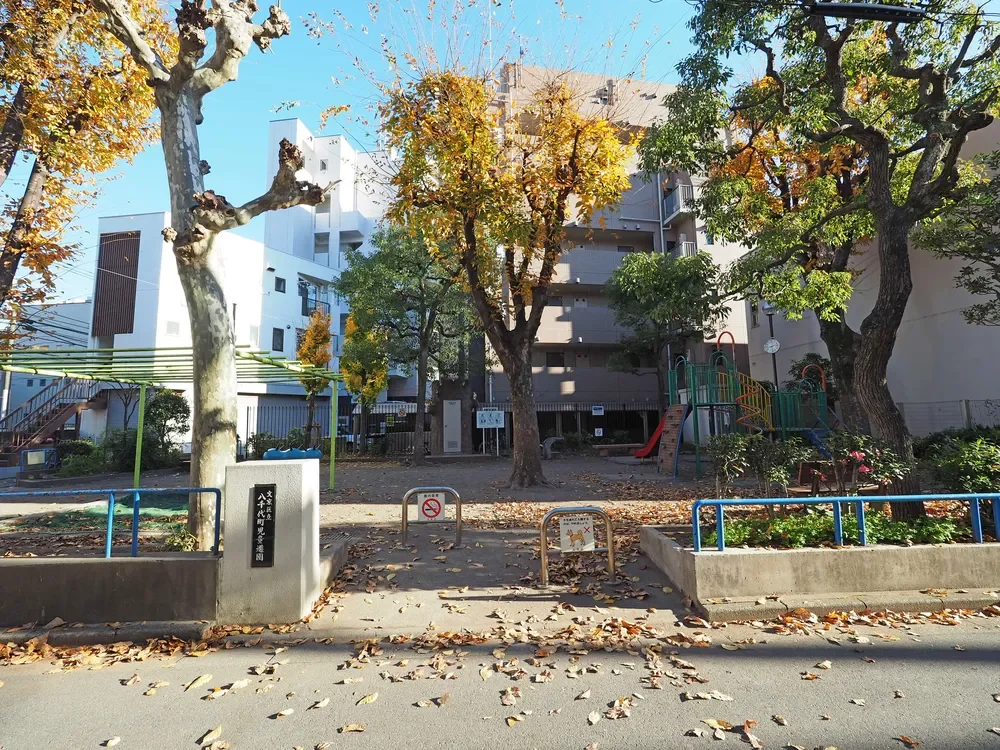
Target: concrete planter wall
(849, 573)
(116, 589)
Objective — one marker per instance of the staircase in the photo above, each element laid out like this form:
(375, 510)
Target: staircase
(816, 437)
(42, 415)
(670, 438)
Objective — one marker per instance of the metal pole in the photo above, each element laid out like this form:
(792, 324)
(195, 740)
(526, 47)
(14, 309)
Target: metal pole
(333, 432)
(111, 524)
(774, 357)
(138, 435)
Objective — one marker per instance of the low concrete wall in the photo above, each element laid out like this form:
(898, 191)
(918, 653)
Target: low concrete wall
(759, 572)
(118, 589)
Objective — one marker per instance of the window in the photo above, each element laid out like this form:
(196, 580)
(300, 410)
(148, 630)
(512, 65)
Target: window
(321, 243)
(42, 382)
(626, 248)
(554, 302)
(322, 165)
(324, 207)
(173, 328)
(555, 359)
(670, 247)
(254, 335)
(754, 315)
(277, 340)
(279, 284)
(31, 382)
(709, 239)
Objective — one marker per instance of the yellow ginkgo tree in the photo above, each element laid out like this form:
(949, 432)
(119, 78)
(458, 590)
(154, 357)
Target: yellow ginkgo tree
(364, 363)
(73, 103)
(496, 182)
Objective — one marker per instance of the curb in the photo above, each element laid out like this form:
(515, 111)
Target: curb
(93, 635)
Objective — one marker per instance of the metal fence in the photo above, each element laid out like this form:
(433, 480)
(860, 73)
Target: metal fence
(382, 428)
(926, 417)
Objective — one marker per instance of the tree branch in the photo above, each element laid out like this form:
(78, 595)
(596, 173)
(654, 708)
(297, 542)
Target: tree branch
(125, 29)
(213, 213)
(235, 31)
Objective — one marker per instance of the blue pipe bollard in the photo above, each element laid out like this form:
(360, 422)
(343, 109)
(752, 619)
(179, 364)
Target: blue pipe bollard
(135, 524)
(111, 524)
(838, 525)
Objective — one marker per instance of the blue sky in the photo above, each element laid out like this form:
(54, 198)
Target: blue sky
(301, 69)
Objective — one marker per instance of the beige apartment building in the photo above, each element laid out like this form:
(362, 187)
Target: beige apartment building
(578, 331)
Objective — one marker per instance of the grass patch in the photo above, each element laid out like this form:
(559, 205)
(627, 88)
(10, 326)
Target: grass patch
(814, 528)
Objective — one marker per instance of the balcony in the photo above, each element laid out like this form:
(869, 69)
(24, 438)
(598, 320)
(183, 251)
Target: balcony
(685, 250)
(594, 325)
(310, 304)
(679, 203)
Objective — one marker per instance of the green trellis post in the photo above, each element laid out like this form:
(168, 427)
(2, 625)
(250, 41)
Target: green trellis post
(138, 435)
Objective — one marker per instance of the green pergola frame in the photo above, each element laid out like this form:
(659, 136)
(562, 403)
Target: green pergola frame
(160, 367)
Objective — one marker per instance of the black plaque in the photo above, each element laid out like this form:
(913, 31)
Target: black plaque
(265, 503)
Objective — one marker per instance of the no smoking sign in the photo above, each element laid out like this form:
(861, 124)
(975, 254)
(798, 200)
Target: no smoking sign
(430, 506)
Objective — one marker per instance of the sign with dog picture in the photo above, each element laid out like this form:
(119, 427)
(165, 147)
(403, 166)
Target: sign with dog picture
(576, 533)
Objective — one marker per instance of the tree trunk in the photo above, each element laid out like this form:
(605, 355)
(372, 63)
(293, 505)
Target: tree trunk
(310, 419)
(661, 383)
(418, 426)
(213, 433)
(13, 131)
(15, 244)
(878, 337)
(843, 344)
(527, 470)
(213, 427)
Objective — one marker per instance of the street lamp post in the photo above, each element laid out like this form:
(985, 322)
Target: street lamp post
(772, 345)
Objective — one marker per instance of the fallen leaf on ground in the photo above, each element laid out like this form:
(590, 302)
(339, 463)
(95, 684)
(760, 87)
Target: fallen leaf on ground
(717, 724)
(353, 728)
(824, 664)
(591, 746)
(898, 694)
(593, 717)
(583, 696)
(858, 701)
(809, 676)
(211, 736)
(908, 741)
(349, 681)
(995, 697)
(323, 746)
(367, 699)
(995, 730)
(283, 713)
(197, 682)
(443, 699)
(130, 681)
(112, 742)
(780, 720)
(486, 673)
(695, 733)
(714, 695)
(320, 704)
(512, 720)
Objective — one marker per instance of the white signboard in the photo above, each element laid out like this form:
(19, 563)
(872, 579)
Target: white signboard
(489, 420)
(598, 432)
(576, 533)
(597, 411)
(430, 506)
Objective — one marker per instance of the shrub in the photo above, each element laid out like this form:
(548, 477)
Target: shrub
(773, 462)
(859, 458)
(729, 458)
(621, 436)
(259, 443)
(168, 414)
(577, 440)
(119, 451)
(967, 466)
(814, 528)
(79, 464)
(926, 446)
(181, 541)
(68, 448)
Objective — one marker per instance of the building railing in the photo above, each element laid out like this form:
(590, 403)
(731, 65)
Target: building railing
(685, 249)
(311, 304)
(137, 495)
(677, 201)
(837, 502)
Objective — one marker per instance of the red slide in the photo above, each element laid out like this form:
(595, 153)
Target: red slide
(653, 447)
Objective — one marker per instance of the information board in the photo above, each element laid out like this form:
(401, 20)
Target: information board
(489, 420)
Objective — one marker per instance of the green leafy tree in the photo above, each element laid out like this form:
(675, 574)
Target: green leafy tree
(364, 363)
(968, 230)
(899, 100)
(403, 289)
(168, 415)
(314, 350)
(663, 301)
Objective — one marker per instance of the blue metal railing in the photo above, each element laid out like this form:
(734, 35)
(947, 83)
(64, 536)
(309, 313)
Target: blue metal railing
(136, 501)
(838, 526)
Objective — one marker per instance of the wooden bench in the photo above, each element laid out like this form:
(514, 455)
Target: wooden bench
(605, 450)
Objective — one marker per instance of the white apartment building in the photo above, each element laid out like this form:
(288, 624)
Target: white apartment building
(271, 288)
(943, 370)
